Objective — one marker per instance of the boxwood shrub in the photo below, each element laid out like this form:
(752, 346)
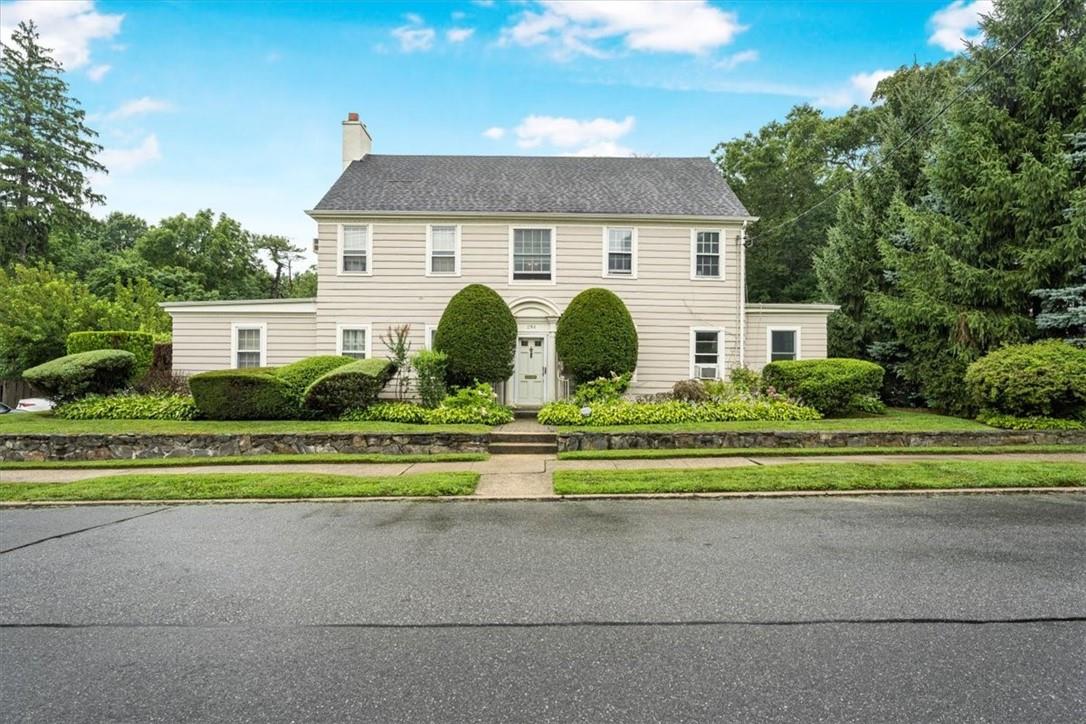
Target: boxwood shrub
(828, 385)
(348, 387)
(254, 393)
(130, 407)
(303, 373)
(1044, 379)
(478, 334)
(85, 373)
(141, 344)
(596, 337)
(674, 411)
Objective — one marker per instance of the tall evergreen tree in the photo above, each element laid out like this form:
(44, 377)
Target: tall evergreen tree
(46, 150)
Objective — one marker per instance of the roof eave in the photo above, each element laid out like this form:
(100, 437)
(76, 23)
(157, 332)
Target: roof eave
(582, 216)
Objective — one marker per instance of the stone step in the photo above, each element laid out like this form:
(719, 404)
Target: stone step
(513, 436)
(525, 413)
(522, 448)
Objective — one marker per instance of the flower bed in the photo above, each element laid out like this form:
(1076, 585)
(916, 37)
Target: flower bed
(652, 413)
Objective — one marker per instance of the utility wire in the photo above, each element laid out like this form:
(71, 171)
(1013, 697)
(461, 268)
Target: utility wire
(912, 135)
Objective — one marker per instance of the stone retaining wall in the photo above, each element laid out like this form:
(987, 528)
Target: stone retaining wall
(113, 447)
(569, 441)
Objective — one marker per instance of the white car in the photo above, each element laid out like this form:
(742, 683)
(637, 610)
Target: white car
(34, 404)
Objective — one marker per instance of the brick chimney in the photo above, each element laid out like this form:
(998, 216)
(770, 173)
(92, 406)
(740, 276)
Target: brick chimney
(356, 140)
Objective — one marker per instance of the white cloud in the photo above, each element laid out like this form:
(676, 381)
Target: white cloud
(957, 24)
(494, 133)
(459, 35)
(414, 36)
(66, 27)
(413, 18)
(139, 107)
(595, 137)
(124, 160)
(574, 27)
(735, 60)
(98, 72)
(857, 91)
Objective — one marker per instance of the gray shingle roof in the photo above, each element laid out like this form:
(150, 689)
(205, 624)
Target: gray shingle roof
(533, 184)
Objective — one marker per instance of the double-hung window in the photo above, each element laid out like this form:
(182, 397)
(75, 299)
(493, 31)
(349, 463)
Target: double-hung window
(443, 253)
(619, 253)
(783, 343)
(533, 255)
(705, 354)
(248, 345)
(354, 341)
(707, 255)
(355, 249)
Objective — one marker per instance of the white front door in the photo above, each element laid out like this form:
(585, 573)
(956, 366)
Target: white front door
(531, 371)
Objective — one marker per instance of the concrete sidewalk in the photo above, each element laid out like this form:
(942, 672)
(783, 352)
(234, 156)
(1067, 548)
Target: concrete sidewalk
(511, 476)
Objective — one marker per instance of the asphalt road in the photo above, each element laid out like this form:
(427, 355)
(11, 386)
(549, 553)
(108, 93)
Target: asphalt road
(864, 609)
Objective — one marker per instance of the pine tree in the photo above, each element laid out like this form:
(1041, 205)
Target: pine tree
(46, 151)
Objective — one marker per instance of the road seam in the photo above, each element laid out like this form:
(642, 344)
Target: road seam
(81, 530)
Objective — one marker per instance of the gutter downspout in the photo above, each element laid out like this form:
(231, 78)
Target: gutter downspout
(743, 295)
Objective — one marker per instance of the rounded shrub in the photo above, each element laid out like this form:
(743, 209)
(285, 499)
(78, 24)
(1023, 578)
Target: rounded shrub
(301, 374)
(252, 393)
(596, 337)
(478, 335)
(141, 344)
(1044, 379)
(349, 387)
(98, 372)
(828, 385)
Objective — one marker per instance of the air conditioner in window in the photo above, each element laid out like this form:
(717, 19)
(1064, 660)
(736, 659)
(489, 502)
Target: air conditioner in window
(705, 372)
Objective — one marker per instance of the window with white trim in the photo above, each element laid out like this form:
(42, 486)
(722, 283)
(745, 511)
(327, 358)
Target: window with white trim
(620, 252)
(352, 342)
(707, 255)
(783, 344)
(355, 249)
(248, 347)
(706, 354)
(431, 334)
(444, 251)
(532, 254)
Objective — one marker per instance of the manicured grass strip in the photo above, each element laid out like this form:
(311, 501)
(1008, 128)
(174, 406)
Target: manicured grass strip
(838, 476)
(205, 486)
(769, 452)
(894, 420)
(245, 460)
(44, 423)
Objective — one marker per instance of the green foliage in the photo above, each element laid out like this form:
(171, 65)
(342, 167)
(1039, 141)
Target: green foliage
(136, 306)
(475, 405)
(46, 152)
(303, 373)
(1045, 379)
(351, 386)
(405, 412)
(397, 341)
(256, 393)
(689, 391)
(675, 411)
(746, 380)
(430, 376)
(868, 404)
(477, 333)
(596, 337)
(141, 344)
(1063, 311)
(1010, 422)
(130, 407)
(828, 385)
(87, 373)
(602, 389)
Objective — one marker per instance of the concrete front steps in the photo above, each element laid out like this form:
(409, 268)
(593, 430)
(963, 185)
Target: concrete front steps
(522, 443)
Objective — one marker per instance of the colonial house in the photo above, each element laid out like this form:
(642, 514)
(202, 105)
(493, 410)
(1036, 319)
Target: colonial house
(397, 236)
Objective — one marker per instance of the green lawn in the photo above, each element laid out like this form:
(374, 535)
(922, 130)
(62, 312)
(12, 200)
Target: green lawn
(765, 452)
(27, 423)
(837, 476)
(272, 459)
(205, 486)
(893, 421)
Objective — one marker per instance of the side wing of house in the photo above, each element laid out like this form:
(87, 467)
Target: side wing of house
(785, 331)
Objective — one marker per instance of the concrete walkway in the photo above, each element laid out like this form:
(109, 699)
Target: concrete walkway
(511, 476)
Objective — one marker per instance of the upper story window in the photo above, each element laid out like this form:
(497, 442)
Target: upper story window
(353, 341)
(443, 250)
(783, 343)
(707, 255)
(533, 255)
(248, 345)
(705, 354)
(619, 252)
(355, 249)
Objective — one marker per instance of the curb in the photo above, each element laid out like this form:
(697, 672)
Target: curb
(15, 504)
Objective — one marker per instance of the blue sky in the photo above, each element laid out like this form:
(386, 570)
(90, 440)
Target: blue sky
(236, 106)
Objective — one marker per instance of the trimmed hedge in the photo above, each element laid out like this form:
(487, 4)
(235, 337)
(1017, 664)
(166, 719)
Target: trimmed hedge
(662, 413)
(828, 385)
(474, 405)
(478, 335)
(596, 337)
(351, 386)
(303, 373)
(1010, 422)
(98, 372)
(252, 393)
(141, 344)
(1044, 379)
(130, 407)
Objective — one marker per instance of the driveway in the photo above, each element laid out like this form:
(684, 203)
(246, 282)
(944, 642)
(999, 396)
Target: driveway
(889, 609)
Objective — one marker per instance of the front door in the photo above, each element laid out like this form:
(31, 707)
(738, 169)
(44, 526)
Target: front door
(531, 371)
